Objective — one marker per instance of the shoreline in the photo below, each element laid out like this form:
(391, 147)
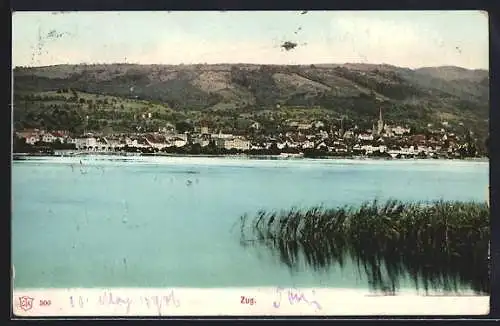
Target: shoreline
(23, 156)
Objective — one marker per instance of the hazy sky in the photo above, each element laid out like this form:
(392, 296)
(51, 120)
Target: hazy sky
(403, 38)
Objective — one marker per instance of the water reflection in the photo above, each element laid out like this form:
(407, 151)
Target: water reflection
(445, 253)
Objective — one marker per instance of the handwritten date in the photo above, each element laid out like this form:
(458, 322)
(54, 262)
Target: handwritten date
(108, 298)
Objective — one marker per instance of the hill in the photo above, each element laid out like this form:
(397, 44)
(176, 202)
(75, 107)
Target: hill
(233, 91)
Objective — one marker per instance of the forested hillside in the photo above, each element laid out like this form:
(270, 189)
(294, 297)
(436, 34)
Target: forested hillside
(232, 96)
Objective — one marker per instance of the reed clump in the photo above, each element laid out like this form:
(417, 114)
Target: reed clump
(439, 245)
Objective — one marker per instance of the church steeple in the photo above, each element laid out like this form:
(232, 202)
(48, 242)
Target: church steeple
(380, 124)
(341, 126)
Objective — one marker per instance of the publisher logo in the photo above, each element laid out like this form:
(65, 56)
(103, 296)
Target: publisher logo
(26, 303)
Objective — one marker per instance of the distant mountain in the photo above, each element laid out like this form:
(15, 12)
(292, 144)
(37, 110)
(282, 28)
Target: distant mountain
(424, 94)
(451, 73)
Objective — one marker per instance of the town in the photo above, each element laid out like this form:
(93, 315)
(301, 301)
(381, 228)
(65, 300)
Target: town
(299, 139)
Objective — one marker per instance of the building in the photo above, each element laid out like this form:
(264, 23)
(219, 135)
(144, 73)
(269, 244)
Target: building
(307, 144)
(341, 130)
(237, 143)
(179, 142)
(380, 123)
(31, 137)
(255, 126)
(113, 144)
(400, 130)
(167, 129)
(348, 135)
(419, 139)
(60, 135)
(157, 142)
(323, 134)
(180, 136)
(365, 137)
(304, 126)
(370, 149)
(318, 124)
(85, 143)
(48, 138)
(220, 135)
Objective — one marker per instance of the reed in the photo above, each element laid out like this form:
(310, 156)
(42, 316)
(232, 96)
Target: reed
(439, 245)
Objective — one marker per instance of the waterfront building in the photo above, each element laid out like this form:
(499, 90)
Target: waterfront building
(30, 136)
(48, 138)
(237, 143)
(85, 143)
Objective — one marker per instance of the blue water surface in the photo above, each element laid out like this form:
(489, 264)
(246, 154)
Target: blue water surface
(164, 222)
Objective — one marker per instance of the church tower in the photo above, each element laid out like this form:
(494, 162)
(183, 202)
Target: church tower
(341, 131)
(380, 123)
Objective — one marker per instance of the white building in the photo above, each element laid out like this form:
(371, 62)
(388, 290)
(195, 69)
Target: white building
(321, 145)
(365, 137)
(304, 126)
(308, 144)
(257, 146)
(71, 140)
(222, 136)
(318, 124)
(49, 138)
(422, 148)
(179, 142)
(400, 130)
(237, 143)
(86, 142)
(32, 139)
(370, 149)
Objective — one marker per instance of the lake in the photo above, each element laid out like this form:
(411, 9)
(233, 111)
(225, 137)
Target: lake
(172, 222)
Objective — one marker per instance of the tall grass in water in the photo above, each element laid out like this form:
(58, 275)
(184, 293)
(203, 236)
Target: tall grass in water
(440, 245)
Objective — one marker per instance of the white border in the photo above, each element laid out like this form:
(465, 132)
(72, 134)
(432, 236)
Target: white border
(267, 301)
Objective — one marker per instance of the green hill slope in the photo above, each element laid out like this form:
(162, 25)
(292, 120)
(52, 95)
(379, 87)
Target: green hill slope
(201, 92)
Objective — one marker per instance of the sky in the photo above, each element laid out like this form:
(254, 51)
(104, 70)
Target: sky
(410, 39)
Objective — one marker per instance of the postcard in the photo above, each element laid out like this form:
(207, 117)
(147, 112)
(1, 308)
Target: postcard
(246, 163)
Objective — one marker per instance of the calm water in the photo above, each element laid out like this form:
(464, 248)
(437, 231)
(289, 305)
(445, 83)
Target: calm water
(162, 222)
